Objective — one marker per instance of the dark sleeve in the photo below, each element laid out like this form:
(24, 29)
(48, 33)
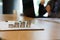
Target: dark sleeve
(42, 9)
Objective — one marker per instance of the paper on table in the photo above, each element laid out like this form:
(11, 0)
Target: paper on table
(5, 26)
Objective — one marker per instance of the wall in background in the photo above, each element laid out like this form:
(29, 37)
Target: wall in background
(1, 6)
(18, 6)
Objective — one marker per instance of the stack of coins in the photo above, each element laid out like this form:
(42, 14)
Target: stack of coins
(11, 25)
(16, 24)
(28, 25)
(22, 24)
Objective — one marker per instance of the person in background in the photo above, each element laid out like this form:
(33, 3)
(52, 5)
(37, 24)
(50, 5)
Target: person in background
(42, 9)
(52, 7)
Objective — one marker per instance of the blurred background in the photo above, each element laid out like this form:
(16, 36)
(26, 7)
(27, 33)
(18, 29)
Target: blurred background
(1, 6)
(10, 5)
(21, 6)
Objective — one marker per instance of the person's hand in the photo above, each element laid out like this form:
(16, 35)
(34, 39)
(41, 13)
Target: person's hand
(42, 2)
(48, 8)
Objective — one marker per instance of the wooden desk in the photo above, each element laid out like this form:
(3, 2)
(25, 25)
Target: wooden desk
(8, 17)
(12, 17)
(51, 32)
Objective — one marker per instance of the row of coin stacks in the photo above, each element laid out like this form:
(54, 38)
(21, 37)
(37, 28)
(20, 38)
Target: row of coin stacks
(20, 24)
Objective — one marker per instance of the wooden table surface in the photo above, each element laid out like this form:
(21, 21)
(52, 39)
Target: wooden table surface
(51, 32)
(8, 17)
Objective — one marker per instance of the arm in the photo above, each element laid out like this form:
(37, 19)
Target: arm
(48, 8)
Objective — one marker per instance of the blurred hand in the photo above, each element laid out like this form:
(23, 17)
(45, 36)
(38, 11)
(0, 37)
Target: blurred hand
(48, 8)
(42, 2)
